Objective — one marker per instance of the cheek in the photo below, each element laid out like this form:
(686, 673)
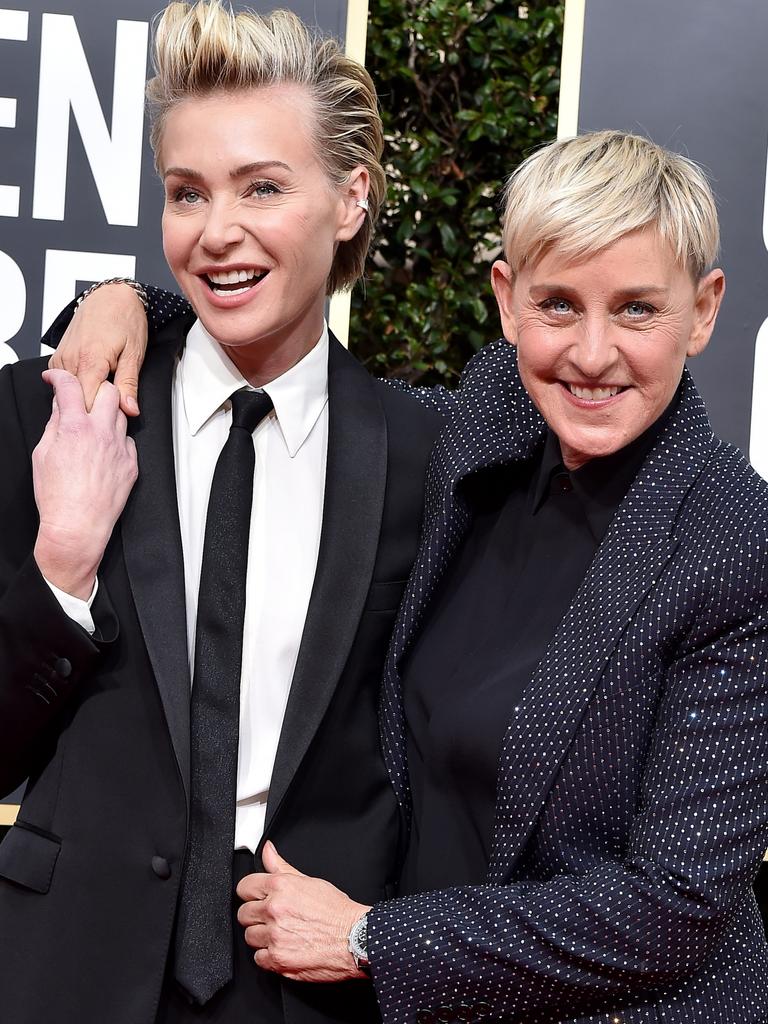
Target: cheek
(538, 351)
(657, 369)
(175, 241)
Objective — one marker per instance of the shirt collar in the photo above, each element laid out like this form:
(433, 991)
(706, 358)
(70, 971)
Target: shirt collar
(208, 377)
(600, 484)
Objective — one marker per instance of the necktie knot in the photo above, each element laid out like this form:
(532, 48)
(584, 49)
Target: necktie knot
(249, 408)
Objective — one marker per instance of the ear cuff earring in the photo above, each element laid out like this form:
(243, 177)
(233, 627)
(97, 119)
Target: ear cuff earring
(363, 204)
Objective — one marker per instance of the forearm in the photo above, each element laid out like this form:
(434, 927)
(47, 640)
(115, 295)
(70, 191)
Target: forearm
(571, 946)
(45, 656)
(164, 306)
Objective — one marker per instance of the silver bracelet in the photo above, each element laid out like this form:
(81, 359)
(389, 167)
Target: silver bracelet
(134, 285)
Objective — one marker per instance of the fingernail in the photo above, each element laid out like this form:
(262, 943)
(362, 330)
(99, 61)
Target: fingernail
(132, 406)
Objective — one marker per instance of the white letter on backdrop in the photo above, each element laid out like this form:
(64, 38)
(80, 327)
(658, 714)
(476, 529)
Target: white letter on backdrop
(13, 25)
(65, 81)
(758, 432)
(13, 307)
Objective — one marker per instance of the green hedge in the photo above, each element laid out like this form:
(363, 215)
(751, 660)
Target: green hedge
(467, 90)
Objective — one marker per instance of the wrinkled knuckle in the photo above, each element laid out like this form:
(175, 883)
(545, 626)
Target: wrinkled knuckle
(277, 905)
(91, 360)
(279, 959)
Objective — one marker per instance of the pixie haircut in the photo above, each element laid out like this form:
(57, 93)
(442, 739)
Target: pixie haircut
(206, 48)
(582, 194)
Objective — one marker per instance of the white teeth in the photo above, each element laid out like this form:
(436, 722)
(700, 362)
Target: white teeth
(234, 276)
(593, 394)
(229, 291)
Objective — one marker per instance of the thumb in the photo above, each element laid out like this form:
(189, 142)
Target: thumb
(127, 383)
(274, 863)
(68, 394)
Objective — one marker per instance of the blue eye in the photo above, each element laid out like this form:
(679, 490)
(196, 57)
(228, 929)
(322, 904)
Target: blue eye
(638, 309)
(186, 196)
(262, 189)
(557, 305)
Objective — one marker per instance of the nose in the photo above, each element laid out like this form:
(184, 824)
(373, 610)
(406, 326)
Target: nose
(594, 351)
(222, 229)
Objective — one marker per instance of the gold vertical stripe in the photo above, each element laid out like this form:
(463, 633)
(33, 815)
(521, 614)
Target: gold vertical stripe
(357, 29)
(354, 46)
(8, 813)
(570, 69)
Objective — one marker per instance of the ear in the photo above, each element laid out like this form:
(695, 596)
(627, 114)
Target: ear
(503, 283)
(351, 216)
(709, 294)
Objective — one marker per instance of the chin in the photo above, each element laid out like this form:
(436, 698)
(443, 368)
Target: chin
(582, 450)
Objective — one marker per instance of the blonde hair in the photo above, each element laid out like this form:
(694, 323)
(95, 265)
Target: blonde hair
(582, 194)
(205, 47)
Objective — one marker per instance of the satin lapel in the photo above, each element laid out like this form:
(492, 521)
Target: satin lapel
(634, 552)
(494, 422)
(152, 541)
(355, 483)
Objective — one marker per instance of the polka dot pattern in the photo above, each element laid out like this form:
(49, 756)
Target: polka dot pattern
(164, 306)
(632, 808)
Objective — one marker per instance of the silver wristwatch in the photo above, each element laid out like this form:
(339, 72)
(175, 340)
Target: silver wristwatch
(358, 944)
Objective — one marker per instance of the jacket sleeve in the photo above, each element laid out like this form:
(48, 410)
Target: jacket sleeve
(163, 307)
(439, 399)
(625, 931)
(44, 655)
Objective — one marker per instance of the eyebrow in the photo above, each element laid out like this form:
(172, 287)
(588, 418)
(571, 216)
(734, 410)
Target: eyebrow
(240, 172)
(630, 290)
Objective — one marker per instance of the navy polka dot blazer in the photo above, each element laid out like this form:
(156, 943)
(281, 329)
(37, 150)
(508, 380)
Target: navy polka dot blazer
(632, 808)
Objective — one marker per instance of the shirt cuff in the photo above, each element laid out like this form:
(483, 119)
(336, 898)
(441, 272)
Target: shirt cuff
(75, 607)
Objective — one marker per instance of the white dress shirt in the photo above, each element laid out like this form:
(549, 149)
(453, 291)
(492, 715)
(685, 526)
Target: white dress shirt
(291, 447)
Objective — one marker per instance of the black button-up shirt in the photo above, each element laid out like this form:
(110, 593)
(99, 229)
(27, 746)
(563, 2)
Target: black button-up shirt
(535, 530)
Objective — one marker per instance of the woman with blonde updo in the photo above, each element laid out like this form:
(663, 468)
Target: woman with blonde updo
(259, 560)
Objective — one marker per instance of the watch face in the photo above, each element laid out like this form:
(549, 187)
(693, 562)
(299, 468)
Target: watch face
(358, 940)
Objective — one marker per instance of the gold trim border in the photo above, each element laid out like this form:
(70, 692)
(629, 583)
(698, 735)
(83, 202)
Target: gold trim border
(8, 814)
(354, 46)
(570, 69)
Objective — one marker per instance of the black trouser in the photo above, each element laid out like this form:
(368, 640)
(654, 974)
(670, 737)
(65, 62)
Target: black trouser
(253, 996)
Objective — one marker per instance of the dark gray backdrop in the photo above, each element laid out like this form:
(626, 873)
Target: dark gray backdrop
(693, 75)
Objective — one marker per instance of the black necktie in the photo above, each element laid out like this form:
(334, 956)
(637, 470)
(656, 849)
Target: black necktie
(203, 947)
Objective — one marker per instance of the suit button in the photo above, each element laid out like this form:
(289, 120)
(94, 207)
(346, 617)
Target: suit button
(482, 1010)
(445, 1014)
(465, 1013)
(63, 667)
(425, 1017)
(161, 867)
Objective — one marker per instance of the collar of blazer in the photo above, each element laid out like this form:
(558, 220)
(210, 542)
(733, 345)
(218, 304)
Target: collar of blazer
(355, 478)
(486, 431)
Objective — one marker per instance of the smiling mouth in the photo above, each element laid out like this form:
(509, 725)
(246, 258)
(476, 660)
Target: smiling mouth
(600, 394)
(234, 282)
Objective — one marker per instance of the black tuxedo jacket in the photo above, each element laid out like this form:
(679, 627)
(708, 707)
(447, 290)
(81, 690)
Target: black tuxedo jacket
(89, 875)
(632, 795)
